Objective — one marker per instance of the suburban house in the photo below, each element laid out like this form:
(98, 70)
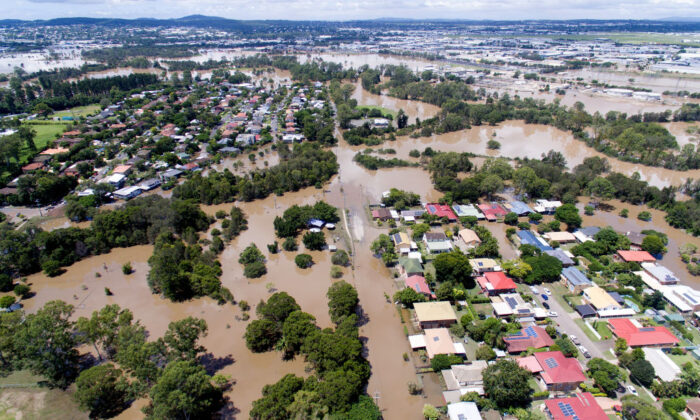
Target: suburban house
(692, 408)
(419, 284)
(518, 207)
(526, 237)
(434, 314)
(483, 265)
(436, 341)
(586, 234)
(127, 193)
(116, 180)
(638, 336)
(381, 214)
(495, 283)
(469, 237)
(508, 304)
(410, 267)
(466, 210)
(634, 256)
(122, 169)
(546, 206)
(598, 298)
(410, 216)
(533, 336)
(493, 211)
(582, 405)
(437, 242)
(465, 378)
(563, 237)
(575, 280)
(558, 372)
(441, 210)
(463, 411)
(402, 242)
(563, 256)
(662, 274)
(636, 239)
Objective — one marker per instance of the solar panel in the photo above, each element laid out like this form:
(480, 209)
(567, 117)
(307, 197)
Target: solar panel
(647, 329)
(551, 363)
(436, 338)
(530, 332)
(511, 301)
(567, 410)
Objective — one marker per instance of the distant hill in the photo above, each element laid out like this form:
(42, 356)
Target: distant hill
(682, 19)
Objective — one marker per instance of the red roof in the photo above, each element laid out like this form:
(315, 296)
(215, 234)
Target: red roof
(559, 369)
(636, 256)
(496, 281)
(532, 336)
(582, 405)
(645, 336)
(440, 210)
(419, 284)
(492, 211)
(33, 166)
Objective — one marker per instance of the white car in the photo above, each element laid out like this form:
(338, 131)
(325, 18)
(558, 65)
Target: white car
(552, 314)
(534, 290)
(574, 339)
(631, 389)
(548, 292)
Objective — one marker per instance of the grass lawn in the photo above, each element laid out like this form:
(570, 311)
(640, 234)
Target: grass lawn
(603, 330)
(79, 111)
(46, 133)
(558, 292)
(28, 401)
(582, 324)
(383, 110)
(680, 360)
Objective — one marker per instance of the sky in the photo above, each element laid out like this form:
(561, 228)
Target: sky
(353, 9)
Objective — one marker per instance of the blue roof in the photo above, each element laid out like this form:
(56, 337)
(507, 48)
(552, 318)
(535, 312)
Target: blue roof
(589, 230)
(519, 207)
(575, 276)
(529, 238)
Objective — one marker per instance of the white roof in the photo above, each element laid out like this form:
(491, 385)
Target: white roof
(459, 348)
(661, 273)
(665, 369)
(463, 411)
(417, 341)
(608, 313)
(115, 178)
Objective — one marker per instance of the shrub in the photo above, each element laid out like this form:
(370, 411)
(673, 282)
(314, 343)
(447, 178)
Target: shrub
(254, 270)
(303, 261)
(340, 257)
(624, 213)
(644, 215)
(493, 145)
(126, 268)
(336, 272)
(6, 301)
(314, 241)
(290, 244)
(273, 248)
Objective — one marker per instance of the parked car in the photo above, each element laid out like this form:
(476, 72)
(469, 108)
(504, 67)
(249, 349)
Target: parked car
(548, 292)
(587, 355)
(546, 305)
(544, 297)
(575, 340)
(553, 314)
(631, 389)
(534, 290)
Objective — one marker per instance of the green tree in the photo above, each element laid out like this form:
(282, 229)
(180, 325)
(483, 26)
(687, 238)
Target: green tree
(184, 391)
(601, 188)
(278, 307)
(342, 300)
(566, 347)
(444, 361)
(642, 372)
(606, 375)
(511, 219)
(295, 329)
(490, 185)
(22, 290)
(262, 335)
(276, 398)
(102, 390)
(653, 244)
(7, 301)
(340, 257)
(517, 268)
(507, 384)
(303, 260)
(485, 352)
(314, 241)
(568, 213)
(182, 337)
(408, 296)
(47, 343)
(620, 346)
(102, 328)
(430, 412)
(254, 270)
(250, 255)
(454, 267)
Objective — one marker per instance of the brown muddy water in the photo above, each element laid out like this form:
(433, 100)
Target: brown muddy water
(532, 140)
(655, 82)
(413, 109)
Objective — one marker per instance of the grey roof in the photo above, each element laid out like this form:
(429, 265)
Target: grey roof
(589, 231)
(618, 297)
(561, 256)
(575, 276)
(585, 310)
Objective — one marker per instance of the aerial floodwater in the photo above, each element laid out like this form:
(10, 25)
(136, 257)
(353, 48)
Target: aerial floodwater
(358, 219)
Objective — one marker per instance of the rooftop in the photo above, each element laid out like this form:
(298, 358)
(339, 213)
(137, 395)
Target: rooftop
(532, 336)
(556, 368)
(434, 311)
(636, 335)
(582, 406)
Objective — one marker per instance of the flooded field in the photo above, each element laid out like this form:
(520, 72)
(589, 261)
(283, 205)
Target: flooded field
(351, 60)
(655, 82)
(414, 109)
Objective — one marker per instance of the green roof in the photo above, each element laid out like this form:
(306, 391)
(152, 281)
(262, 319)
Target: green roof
(411, 265)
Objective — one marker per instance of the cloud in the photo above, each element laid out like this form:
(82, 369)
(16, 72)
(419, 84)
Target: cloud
(357, 9)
